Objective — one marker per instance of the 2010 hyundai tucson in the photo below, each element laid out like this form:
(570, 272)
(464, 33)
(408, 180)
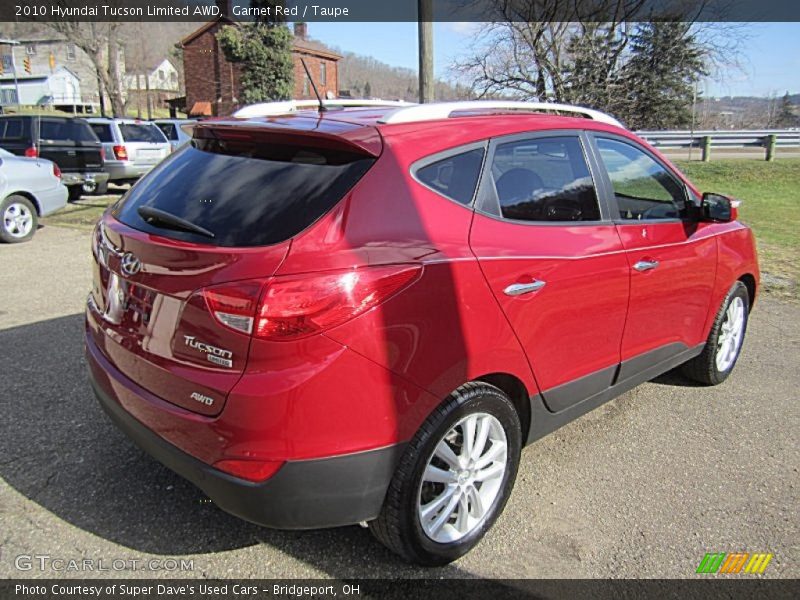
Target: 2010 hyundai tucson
(363, 314)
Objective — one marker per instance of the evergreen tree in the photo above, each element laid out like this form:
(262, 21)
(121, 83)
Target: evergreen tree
(786, 116)
(367, 90)
(666, 61)
(263, 49)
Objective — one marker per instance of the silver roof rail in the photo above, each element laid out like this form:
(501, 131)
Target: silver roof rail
(266, 109)
(442, 110)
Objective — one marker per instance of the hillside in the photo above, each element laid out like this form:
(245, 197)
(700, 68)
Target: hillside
(363, 76)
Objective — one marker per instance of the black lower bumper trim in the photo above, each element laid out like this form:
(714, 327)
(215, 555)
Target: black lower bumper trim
(304, 494)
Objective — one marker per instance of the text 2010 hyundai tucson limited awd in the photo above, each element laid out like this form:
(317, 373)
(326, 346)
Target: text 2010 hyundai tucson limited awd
(363, 314)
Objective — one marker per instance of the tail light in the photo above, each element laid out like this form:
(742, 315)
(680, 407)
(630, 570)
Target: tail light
(102, 154)
(121, 152)
(56, 171)
(32, 152)
(294, 307)
(252, 470)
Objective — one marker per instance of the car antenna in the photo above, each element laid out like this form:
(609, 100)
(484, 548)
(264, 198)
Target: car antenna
(322, 107)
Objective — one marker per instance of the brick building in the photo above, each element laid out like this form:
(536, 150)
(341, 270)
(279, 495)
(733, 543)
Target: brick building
(213, 84)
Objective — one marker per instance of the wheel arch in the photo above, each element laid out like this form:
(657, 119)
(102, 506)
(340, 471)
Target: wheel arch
(749, 282)
(29, 196)
(513, 387)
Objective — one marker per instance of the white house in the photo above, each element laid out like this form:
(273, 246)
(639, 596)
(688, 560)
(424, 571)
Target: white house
(161, 77)
(61, 89)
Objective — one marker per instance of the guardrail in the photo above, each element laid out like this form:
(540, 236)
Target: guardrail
(769, 139)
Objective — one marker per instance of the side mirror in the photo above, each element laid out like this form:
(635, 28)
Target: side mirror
(718, 208)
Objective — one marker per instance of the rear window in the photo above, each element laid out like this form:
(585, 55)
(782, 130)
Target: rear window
(141, 132)
(169, 130)
(66, 130)
(103, 132)
(11, 129)
(245, 194)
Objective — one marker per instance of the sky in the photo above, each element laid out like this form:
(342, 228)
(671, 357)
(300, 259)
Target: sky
(771, 52)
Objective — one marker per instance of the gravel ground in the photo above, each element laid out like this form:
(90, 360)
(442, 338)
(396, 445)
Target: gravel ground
(641, 487)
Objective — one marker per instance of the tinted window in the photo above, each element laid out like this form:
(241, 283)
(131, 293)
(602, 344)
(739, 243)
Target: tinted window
(102, 131)
(643, 188)
(454, 176)
(246, 196)
(66, 130)
(544, 179)
(11, 129)
(140, 132)
(169, 130)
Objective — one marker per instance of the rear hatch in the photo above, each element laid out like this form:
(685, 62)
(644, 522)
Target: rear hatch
(223, 209)
(145, 143)
(70, 143)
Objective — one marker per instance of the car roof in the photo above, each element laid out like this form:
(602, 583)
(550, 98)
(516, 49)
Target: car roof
(461, 128)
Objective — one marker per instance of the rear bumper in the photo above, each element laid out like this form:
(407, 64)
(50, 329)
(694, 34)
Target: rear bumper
(97, 177)
(126, 170)
(303, 494)
(52, 200)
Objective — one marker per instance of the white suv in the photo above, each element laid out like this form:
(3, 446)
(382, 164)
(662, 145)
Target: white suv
(132, 148)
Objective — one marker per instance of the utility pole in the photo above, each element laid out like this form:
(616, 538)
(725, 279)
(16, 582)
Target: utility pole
(425, 24)
(13, 43)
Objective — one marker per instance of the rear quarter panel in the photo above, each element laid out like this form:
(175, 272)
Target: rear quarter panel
(446, 328)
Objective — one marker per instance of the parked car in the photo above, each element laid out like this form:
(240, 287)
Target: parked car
(177, 131)
(363, 314)
(30, 188)
(66, 141)
(132, 147)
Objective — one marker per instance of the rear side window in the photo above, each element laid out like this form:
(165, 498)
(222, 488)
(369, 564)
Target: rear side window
(140, 132)
(102, 131)
(455, 176)
(246, 194)
(169, 130)
(11, 129)
(544, 179)
(66, 130)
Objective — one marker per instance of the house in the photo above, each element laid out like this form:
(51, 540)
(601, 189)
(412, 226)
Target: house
(48, 53)
(60, 89)
(213, 84)
(152, 86)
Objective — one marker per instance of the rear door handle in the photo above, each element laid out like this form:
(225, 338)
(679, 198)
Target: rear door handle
(646, 265)
(517, 289)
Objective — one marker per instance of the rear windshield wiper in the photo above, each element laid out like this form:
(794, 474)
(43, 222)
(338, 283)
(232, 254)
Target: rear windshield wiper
(163, 219)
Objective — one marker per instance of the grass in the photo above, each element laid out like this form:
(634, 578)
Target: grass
(771, 206)
(82, 214)
(770, 194)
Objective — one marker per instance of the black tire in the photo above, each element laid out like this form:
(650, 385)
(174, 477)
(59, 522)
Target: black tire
(703, 368)
(75, 192)
(398, 526)
(9, 231)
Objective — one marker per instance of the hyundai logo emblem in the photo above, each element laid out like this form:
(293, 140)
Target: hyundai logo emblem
(130, 264)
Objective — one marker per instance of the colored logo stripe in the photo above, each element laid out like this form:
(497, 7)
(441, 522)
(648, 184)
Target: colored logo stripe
(758, 563)
(720, 562)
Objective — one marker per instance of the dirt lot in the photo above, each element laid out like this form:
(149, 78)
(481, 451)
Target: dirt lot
(642, 487)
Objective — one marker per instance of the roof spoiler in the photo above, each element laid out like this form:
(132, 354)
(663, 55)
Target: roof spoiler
(357, 139)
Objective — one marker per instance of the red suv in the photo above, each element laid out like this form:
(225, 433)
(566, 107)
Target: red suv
(362, 314)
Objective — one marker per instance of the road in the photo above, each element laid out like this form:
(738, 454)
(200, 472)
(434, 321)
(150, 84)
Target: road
(642, 487)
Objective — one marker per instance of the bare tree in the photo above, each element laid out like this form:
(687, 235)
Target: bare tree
(580, 51)
(102, 44)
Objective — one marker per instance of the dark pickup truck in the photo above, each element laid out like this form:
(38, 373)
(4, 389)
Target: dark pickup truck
(68, 142)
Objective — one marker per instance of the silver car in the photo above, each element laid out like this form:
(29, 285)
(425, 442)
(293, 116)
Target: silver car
(178, 131)
(29, 188)
(132, 147)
